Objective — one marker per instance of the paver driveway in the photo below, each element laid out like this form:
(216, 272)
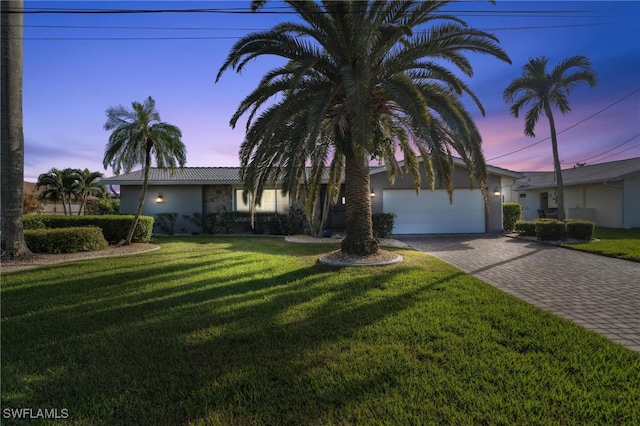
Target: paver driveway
(597, 292)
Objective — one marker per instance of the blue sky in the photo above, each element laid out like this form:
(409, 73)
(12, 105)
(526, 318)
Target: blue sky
(77, 65)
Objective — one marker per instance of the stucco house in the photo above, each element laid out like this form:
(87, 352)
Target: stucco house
(606, 193)
(214, 189)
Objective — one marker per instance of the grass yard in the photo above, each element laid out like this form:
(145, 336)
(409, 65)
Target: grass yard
(252, 331)
(620, 243)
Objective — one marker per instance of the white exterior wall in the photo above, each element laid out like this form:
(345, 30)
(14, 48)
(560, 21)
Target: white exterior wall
(606, 202)
(631, 202)
(603, 201)
(530, 202)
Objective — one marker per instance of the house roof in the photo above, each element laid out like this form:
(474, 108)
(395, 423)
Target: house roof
(597, 173)
(179, 176)
(230, 175)
(460, 162)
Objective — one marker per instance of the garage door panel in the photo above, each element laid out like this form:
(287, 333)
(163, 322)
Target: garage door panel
(430, 212)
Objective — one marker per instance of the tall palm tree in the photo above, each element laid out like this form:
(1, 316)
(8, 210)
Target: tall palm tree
(12, 241)
(370, 77)
(138, 136)
(544, 91)
(87, 185)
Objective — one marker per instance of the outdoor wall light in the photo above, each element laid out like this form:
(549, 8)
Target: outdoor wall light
(496, 191)
(373, 193)
(159, 198)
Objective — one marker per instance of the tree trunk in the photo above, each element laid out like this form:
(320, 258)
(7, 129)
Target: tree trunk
(83, 204)
(359, 239)
(143, 194)
(12, 136)
(556, 164)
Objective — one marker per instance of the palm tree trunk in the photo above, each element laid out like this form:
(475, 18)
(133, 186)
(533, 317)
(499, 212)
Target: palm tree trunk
(82, 204)
(64, 204)
(556, 163)
(13, 244)
(359, 239)
(143, 194)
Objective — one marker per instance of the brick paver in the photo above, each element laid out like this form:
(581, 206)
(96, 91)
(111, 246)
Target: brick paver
(597, 292)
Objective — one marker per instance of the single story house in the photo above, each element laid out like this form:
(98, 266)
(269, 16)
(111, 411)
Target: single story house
(606, 193)
(214, 189)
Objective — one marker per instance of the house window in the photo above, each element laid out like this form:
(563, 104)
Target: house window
(272, 202)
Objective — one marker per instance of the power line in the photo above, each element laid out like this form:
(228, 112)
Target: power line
(287, 10)
(241, 29)
(624, 150)
(609, 150)
(568, 128)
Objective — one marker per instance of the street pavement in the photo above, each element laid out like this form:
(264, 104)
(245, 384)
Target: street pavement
(597, 292)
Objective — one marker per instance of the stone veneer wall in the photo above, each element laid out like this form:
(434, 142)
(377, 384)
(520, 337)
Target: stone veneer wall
(217, 198)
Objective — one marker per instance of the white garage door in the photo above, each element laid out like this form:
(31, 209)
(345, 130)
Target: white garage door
(430, 212)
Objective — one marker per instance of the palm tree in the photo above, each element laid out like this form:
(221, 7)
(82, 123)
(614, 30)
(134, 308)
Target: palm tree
(543, 91)
(54, 187)
(137, 136)
(69, 180)
(12, 244)
(87, 185)
(361, 81)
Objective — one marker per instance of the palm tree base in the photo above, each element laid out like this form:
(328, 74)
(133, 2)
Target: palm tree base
(380, 258)
(359, 246)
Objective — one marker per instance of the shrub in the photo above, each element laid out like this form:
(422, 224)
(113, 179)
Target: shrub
(550, 229)
(114, 227)
(33, 221)
(65, 240)
(580, 229)
(105, 206)
(167, 222)
(526, 229)
(225, 221)
(206, 223)
(510, 213)
(383, 224)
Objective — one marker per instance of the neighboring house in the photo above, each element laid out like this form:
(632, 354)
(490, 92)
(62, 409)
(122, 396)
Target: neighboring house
(606, 193)
(215, 189)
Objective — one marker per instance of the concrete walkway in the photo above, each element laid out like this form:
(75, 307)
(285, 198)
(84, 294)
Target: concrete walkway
(597, 292)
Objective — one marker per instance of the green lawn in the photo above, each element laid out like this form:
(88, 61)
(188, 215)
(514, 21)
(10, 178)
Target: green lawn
(252, 331)
(620, 243)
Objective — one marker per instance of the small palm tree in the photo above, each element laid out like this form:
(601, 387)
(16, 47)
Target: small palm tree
(362, 80)
(57, 184)
(87, 185)
(138, 136)
(544, 91)
(69, 179)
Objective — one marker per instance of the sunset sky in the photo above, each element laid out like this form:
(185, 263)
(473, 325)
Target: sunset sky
(76, 65)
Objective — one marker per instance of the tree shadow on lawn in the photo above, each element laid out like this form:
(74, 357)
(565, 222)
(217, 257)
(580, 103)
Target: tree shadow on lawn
(180, 353)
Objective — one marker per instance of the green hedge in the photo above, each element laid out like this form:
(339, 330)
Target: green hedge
(580, 229)
(383, 224)
(526, 229)
(552, 229)
(114, 227)
(65, 240)
(510, 214)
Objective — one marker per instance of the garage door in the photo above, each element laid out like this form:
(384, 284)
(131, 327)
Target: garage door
(430, 212)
